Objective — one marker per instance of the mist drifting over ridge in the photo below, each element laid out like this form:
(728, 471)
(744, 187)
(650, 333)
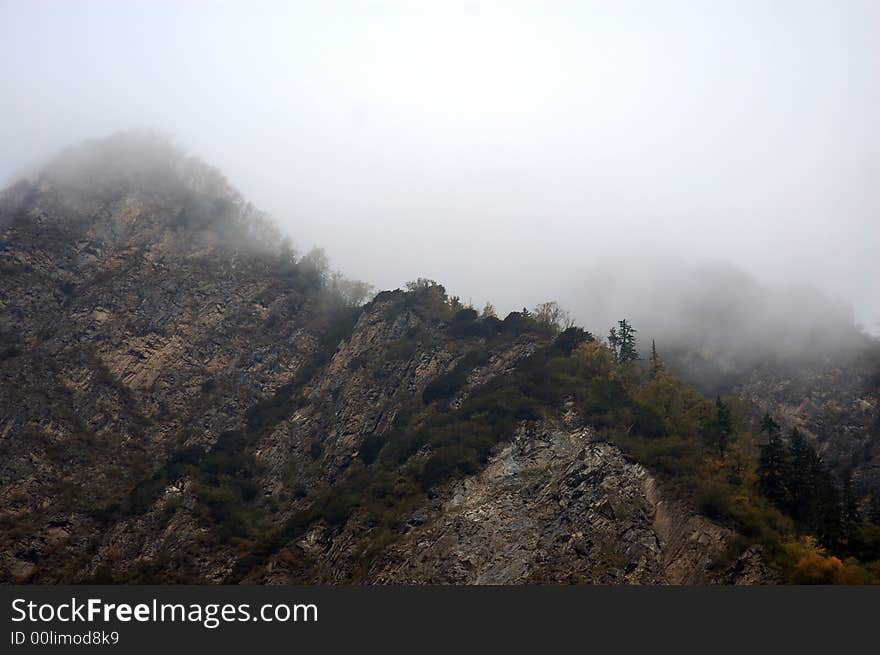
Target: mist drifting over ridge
(716, 316)
(715, 323)
(505, 149)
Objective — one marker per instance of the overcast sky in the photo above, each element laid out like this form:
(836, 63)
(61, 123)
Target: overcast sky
(498, 147)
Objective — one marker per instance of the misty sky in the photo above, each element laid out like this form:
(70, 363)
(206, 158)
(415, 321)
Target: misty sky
(498, 147)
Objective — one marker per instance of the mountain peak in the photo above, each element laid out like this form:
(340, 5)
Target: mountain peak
(136, 187)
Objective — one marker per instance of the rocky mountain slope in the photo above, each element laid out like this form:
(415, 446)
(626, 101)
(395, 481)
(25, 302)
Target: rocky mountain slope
(831, 397)
(181, 401)
(130, 329)
(556, 505)
(835, 403)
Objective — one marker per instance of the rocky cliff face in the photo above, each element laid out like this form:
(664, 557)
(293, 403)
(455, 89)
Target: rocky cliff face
(171, 391)
(127, 333)
(557, 506)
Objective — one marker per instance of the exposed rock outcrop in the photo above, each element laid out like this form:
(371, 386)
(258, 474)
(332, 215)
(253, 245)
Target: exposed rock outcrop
(554, 505)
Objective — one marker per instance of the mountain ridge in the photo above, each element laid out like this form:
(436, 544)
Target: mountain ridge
(185, 399)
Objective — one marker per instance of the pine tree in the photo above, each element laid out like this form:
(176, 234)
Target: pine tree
(718, 429)
(800, 467)
(826, 515)
(773, 465)
(614, 342)
(623, 342)
(827, 520)
(797, 481)
(657, 367)
(814, 500)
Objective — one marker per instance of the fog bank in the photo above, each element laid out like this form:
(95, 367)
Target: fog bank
(509, 150)
(715, 321)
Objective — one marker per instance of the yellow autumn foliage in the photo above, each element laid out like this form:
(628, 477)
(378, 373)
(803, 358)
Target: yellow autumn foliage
(811, 564)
